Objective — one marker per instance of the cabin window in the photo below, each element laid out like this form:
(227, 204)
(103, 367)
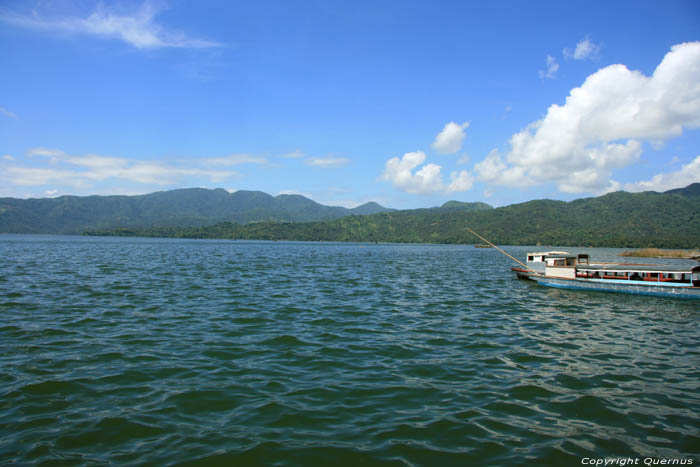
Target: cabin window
(531, 258)
(559, 263)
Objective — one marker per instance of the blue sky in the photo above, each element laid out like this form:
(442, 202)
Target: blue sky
(409, 104)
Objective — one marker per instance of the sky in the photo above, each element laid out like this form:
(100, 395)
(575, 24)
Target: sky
(409, 104)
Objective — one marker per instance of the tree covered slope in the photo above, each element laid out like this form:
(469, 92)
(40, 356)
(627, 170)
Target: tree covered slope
(650, 219)
(185, 207)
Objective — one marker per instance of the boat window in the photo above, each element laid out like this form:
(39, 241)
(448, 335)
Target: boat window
(531, 258)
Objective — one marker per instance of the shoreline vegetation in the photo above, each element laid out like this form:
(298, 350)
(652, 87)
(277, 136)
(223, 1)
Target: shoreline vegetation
(666, 220)
(661, 253)
(615, 220)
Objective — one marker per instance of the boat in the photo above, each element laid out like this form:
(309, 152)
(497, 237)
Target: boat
(561, 270)
(578, 273)
(535, 264)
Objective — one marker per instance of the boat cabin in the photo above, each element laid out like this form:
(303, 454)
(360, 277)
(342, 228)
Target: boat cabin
(561, 265)
(537, 261)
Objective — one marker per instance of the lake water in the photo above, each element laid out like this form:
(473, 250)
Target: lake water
(259, 353)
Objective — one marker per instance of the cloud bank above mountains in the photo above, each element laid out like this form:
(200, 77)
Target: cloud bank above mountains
(603, 126)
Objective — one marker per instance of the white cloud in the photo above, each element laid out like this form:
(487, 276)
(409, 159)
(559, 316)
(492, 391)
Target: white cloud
(449, 140)
(137, 28)
(506, 112)
(601, 126)
(459, 181)
(585, 49)
(90, 160)
(493, 170)
(552, 68)
(235, 159)
(463, 159)
(327, 162)
(294, 155)
(426, 180)
(7, 113)
(294, 192)
(35, 176)
(689, 173)
(8, 157)
(83, 171)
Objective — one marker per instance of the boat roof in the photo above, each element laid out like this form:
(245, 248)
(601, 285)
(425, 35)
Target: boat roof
(622, 267)
(548, 253)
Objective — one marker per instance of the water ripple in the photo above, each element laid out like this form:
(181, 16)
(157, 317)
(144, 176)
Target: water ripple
(178, 351)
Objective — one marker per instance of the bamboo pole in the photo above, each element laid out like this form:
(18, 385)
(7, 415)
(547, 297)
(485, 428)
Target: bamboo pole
(511, 257)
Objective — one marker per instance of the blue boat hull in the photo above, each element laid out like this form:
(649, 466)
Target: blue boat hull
(618, 287)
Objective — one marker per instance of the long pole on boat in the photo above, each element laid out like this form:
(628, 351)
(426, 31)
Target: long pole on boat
(517, 261)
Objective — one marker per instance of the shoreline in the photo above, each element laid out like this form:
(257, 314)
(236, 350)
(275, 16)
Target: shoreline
(662, 253)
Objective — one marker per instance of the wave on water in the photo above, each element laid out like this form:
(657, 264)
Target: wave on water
(179, 351)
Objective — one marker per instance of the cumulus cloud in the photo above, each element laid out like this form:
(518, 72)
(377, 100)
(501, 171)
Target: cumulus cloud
(426, 180)
(688, 173)
(327, 162)
(552, 67)
(602, 125)
(137, 28)
(449, 140)
(585, 49)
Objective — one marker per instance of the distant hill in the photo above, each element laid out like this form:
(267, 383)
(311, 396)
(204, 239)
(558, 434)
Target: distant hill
(462, 206)
(649, 219)
(184, 207)
(691, 190)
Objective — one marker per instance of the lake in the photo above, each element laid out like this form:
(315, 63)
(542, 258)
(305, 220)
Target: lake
(163, 351)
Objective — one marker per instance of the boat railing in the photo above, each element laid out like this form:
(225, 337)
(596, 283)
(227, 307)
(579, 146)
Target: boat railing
(638, 277)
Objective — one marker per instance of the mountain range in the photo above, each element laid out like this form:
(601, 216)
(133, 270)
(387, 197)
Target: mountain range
(183, 207)
(619, 219)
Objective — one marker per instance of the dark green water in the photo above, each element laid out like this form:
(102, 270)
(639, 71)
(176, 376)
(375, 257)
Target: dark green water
(240, 353)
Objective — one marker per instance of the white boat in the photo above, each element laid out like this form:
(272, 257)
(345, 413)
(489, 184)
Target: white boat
(535, 263)
(577, 272)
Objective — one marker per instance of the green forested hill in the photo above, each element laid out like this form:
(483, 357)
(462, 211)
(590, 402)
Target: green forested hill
(665, 220)
(185, 207)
